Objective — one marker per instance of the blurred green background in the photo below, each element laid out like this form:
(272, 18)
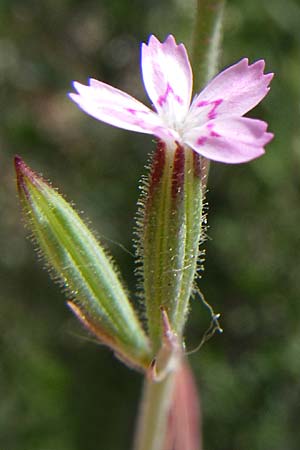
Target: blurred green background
(59, 390)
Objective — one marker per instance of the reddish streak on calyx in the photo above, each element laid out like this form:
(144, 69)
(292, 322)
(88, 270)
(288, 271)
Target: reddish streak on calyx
(178, 171)
(157, 166)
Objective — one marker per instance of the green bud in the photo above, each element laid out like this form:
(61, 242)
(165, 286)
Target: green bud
(87, 274)
(170, 230)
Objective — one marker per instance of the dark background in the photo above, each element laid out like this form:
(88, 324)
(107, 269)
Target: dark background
(59, 390)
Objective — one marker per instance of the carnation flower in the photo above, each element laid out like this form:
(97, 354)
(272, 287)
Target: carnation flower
(212, 124)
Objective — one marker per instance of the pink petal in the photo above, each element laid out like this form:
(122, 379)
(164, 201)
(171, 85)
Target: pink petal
(167, 76)
(233, 140)
(234, 91)
(115, 107)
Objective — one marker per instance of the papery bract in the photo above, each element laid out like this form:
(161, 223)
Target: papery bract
(212, 125)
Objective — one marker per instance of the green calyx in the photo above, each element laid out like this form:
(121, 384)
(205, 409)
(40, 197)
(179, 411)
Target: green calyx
(170, 231)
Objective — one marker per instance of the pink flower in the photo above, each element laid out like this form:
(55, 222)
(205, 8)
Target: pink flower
(212, 124)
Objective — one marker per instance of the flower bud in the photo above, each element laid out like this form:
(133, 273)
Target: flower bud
(85, 271)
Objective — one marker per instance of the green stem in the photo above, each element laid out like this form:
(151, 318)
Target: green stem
(167, 220)
(153, 416)
(206, 41)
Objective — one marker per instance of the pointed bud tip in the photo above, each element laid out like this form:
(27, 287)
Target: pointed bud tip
(18, 163)
(25, 173)
(24, 176)
(21, 167)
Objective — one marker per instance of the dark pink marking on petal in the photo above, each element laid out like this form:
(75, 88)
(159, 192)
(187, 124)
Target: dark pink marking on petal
(215, 103)
(214, 134)
(212, 113)
(202, 140)
(210, 126)
(134, 112)
(203, 103)
(162, 99)
(131, 111)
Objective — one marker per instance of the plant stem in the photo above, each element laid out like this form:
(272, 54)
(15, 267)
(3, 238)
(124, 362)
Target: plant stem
(206, 41)
(153, 415)
(157, 396)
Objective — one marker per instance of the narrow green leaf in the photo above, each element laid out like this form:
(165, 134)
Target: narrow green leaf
(94, 290)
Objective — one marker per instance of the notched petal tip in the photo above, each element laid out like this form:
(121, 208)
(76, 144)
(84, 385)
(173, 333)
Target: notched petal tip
(241, 87)
(82, 89)
(74, 97)
(269, 77)
(152, 40)
(259, 64)
(76, 85)
(258, 67)
(95, 83)
(170, 40)
(243, 61)
(268, 137)
(233, 140)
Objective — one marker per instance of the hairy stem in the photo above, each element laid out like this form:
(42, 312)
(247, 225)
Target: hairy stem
(206, 41)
